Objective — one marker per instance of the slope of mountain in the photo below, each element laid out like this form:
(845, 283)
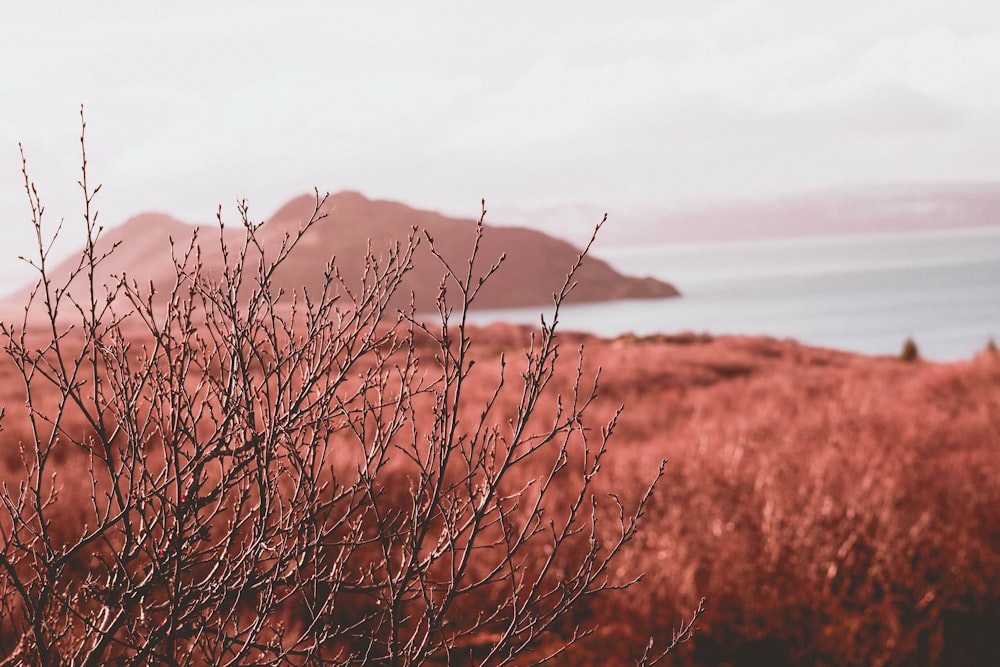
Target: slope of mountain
(535, 265)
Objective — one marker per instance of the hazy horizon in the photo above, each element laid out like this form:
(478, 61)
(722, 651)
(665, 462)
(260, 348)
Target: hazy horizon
(190, 106)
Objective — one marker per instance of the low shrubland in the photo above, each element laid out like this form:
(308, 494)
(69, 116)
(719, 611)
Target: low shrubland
(836, 509)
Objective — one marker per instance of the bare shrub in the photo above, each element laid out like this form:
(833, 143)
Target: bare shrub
(230, 475)
(910, 351)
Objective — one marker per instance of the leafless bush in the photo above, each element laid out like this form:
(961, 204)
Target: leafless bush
(223, 474)
(910, 351)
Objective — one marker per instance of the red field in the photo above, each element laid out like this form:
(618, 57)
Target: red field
(834, 509)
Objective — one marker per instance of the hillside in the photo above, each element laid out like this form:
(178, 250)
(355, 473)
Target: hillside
(536, 264)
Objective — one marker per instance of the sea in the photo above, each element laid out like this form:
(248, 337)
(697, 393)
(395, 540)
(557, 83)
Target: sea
(865, 293)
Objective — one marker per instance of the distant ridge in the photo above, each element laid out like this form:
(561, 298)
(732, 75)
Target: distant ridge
(833, 212)
(875, 209)
(535, 267)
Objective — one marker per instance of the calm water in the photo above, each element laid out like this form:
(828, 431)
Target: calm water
(865, 293)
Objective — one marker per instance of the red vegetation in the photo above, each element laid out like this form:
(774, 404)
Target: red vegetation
(834, 508)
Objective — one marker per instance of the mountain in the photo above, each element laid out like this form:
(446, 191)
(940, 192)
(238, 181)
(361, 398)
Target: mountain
(849, 210)
(536, 264)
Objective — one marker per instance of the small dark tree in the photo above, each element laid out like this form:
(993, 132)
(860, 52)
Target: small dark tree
(231, 476)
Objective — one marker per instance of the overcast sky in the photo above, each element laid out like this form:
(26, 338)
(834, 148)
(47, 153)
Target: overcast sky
(192, 104)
